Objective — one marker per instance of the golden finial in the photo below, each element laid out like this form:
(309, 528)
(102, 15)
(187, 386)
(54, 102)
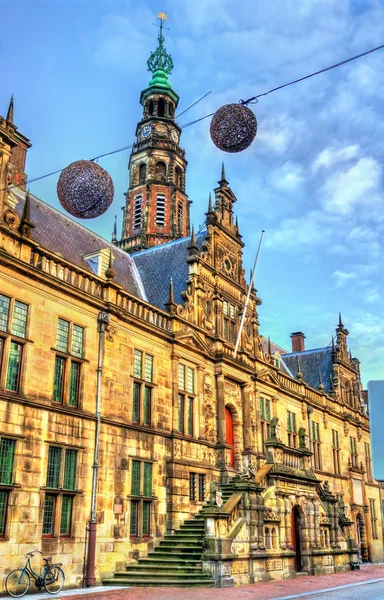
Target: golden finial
(162, 16)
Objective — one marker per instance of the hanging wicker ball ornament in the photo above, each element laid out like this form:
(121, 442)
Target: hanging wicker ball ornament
(233, 127)
(85, 189)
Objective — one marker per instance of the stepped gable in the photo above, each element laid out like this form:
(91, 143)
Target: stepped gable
(312, 364)
(158, 264)
(62, 235)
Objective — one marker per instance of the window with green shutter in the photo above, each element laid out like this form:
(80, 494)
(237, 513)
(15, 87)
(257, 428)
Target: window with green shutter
(5, 303)
(70, 465)
(66, 515)
(54, 467)
(14, 365)
(62, 339)
(141, 498)
(7, 456)
(67, 371)
(3, 511)
(147, 479)
(135, 483)
(61, 480)
(142, 392)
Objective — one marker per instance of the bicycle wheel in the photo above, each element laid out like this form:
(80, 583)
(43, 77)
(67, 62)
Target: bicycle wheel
(54, 580)
(17, 583)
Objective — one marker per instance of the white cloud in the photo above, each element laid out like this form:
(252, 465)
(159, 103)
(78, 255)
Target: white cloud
(332, 156)
(347, 189)
(342, 278)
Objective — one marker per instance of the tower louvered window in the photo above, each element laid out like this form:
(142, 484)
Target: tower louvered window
(180, 218)
(137, 211)
(160, 210)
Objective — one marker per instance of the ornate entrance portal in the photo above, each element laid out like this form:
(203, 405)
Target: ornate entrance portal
(296, 536)
(229, 435)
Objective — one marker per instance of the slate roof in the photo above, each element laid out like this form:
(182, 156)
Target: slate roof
(158, 264)
(60, 234)
(312, 363)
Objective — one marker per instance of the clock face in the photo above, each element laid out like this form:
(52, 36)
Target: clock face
(144, 133)
(174, 136)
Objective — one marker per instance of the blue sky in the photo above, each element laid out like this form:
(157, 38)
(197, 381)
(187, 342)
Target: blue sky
(313, 177)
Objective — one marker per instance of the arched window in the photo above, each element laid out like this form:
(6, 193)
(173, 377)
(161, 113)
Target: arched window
(142, 173)
(178, 178)
(274, 537)
(151, 107)
(161, 171)
(268, 538)
(161, 108)
(180, 218)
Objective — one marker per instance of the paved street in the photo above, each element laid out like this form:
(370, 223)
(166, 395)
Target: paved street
(368, 583)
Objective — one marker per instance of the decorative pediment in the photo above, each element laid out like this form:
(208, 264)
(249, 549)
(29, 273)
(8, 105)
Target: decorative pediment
(192, 339)
(267, 375)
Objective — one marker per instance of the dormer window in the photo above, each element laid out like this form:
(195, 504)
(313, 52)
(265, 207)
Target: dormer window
(276, 359)
(98, 261)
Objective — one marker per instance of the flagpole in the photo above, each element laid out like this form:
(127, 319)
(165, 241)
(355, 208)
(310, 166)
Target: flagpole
(248, 296)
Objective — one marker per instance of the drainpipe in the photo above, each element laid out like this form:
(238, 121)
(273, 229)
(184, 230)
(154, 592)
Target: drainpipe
(103, 320)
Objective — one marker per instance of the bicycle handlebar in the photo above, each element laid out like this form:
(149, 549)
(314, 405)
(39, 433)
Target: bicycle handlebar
(33, 552)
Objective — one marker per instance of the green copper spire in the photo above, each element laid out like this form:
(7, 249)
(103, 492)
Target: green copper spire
(160, 64)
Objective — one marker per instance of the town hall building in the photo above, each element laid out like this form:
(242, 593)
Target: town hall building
(134, 447)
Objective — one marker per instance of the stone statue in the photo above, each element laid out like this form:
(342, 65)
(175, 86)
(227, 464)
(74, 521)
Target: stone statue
(303, 438)
(275, 429)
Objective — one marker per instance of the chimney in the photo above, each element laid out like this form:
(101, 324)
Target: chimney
(298, 344)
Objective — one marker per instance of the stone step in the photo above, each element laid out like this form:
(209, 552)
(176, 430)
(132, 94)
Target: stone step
(160, 573)
(179, 542)
(195, 563)
(163, 567)
(154, 582)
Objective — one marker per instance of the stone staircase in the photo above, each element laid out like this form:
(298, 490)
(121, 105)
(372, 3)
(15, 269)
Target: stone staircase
(176, 561)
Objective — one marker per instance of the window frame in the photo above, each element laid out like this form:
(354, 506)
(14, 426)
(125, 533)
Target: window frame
(230, 313)
(265, 405)
(373, 519)
(316, 444)
(291, 429)
(67, 357)
(353, 452)
(142, 399)
(186, 399)
(336, 451)
(60, 493)
(139, 497)
(6, 487)
(368, 461)
(10, 336)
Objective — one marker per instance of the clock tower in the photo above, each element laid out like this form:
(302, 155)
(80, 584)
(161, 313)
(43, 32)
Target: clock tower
(157, 208)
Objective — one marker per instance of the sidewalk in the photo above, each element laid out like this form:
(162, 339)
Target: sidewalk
(273, 590)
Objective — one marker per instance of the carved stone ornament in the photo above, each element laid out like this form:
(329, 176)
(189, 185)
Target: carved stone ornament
(11, 219)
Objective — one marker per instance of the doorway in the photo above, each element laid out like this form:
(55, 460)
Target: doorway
(297, 525)
(229, 436)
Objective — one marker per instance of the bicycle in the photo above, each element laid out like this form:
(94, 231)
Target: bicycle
(51, 578)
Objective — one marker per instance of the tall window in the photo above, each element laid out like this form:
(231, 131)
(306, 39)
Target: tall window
(60, 491)
(229, 323)
(160, 171)
(141, 499)
(336, 451)
(316, 445)
(180, 218)
(178, 177)
(372, 510)
(13, 330)
(368, 461)
(68, 361)
(291, 429)
(7, 457)
(160, 210)
(197, 487)
(353, 449)
(265, 419)
(137, 211)
(186, 399)
(142, 388)
(142, 173)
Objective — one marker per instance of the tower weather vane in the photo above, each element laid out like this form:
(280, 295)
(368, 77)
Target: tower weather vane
(160, 59)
